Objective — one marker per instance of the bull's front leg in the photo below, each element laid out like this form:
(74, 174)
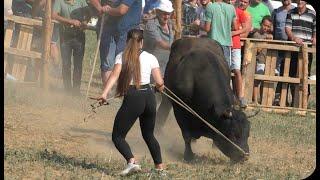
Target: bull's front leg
(188, 154)
(183, 119)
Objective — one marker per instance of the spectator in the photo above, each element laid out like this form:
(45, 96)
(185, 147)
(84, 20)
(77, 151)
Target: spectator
(72, 42)
(263, 33)
(158, 37)
(301, 28)
(279, 16)
(139, 100)
(150, 5)
(122, 15)
(257, 11)
(243, 26)
(201, 21)
(190, 13)
(269, 5)
(219, 18)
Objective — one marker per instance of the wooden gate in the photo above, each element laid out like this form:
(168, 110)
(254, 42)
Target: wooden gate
(23, 52)
(301, 81)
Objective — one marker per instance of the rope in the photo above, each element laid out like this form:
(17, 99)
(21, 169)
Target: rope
(185, 106)
(96, 54)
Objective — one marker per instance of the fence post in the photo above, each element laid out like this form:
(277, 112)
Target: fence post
(177, 6)
(46, 47)
(305, 76)
(249, 67)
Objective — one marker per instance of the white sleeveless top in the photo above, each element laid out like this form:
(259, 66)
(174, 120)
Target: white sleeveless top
(147, 63)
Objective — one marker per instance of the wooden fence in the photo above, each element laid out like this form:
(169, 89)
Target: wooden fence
(18, 55)
(301, 81)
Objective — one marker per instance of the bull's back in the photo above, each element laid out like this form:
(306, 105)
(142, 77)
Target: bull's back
(183, 47)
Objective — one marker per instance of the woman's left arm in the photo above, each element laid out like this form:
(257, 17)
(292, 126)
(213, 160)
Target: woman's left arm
(156, 74)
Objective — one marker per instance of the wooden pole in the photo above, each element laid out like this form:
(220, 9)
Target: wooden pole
(305, 76)
(248, 71)
(178, 29)
(46, 47)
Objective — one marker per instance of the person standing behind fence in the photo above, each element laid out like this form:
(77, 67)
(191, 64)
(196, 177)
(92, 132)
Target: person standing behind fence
(121, 16)
(201, 21)
(133, 68)
(72, 42)
(158, 37)
(220, 17)
(190, 13)
(257, 11)
(279, 17)
(243, 26)
(264, 33)
(300, 28)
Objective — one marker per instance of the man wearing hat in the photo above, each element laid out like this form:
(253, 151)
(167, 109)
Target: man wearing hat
(158, 37)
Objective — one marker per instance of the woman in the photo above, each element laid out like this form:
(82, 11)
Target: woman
(133, 68)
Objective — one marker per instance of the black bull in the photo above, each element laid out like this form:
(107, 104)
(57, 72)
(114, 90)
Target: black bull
(198, 73)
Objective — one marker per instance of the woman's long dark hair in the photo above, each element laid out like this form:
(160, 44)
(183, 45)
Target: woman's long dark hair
(130, 62)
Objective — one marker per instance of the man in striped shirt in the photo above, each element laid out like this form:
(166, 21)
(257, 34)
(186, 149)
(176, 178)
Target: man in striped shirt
(301, 28)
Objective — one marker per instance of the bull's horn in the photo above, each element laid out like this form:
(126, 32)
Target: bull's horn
(227, 114)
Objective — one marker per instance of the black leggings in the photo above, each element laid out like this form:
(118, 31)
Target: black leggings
(137, 103)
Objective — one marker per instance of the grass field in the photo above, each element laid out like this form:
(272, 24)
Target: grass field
(45, 137)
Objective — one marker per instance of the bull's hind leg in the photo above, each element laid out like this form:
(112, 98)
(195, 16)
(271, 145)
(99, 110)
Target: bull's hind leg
(183, 118)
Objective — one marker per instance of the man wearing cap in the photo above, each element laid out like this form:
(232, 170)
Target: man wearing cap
(158, 37)
(121, 16)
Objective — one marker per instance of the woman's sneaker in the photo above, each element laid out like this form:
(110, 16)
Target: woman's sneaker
(130, 169)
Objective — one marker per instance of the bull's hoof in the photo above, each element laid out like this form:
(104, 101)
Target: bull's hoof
(188, 156)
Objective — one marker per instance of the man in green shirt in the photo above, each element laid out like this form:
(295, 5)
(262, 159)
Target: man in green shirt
(72, 42)
(257, 10)
(219, 19)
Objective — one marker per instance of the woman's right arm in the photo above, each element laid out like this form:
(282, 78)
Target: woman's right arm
(156, 74)
(112, 79)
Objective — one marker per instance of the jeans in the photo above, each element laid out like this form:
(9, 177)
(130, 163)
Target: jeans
(107, 51)
(227, 54)
(72, 46)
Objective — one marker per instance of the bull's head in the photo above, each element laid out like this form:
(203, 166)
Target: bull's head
(236, 128)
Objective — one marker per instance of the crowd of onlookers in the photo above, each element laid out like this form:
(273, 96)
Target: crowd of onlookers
(225, 21)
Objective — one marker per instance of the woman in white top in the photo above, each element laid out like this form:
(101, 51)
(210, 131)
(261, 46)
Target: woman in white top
(133, 68)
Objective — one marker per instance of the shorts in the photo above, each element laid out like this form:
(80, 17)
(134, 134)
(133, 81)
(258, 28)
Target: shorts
(227, 54)
(55, 34)
(260, 68)
(235, 59)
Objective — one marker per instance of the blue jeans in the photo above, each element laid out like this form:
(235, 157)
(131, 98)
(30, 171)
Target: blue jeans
(107, 51)
(227, 53)
(72, 46)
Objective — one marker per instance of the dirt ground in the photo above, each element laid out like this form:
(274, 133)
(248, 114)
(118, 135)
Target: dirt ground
(54, 121)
